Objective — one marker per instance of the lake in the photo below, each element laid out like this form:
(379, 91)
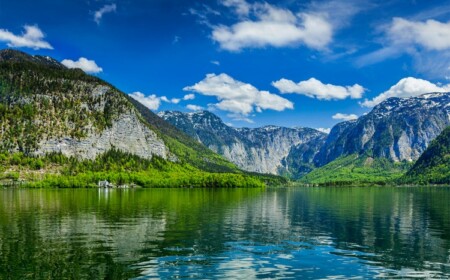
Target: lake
(286, 233)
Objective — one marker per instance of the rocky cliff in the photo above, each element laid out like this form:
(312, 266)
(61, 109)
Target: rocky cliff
(269, 149)
(433, 166)
(47, 108)
(399, 129)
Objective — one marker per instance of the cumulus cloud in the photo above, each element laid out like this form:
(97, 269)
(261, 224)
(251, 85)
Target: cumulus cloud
(406, 87)
(194, 107)
(32, 38)
(88, 66)
(272, 26)
(104, 10)
(430, 34)
(189, 96)
(238, 98)
(344, 117)
(150, 101)
(172, 100)
(316, 89)
(153, 101)
(165, 99)
(324, 130)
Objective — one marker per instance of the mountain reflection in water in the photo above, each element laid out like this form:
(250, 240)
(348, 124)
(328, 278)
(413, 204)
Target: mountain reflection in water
(227, 233)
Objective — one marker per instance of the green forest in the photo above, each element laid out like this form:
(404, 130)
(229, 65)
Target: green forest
(118, 168)
(357, 170)
(433, 166)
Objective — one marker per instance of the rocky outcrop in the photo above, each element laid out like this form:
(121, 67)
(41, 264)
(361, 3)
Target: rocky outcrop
(398, 129)
(127, 134)
(269, 149)
(433, 166)
(47, 108)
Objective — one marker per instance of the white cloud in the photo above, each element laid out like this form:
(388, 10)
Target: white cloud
(189, 96)
(406, 87)
(104, 10)
(430, 34)
(151, 101)
(427, 42)
(194, 107)
(324, 130)
(167, 100)
(315, 88)
(241, 7)
(88, 66)
(344, 117)
(273, 26)
(215, 62)
(33, 38)
(237, 97)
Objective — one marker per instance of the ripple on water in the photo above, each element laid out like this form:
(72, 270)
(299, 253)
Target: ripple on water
(345, 233)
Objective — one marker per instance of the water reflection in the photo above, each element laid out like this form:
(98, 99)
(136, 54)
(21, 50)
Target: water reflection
(314, 233)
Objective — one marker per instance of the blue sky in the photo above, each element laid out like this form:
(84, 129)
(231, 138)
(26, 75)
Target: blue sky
(254, 63)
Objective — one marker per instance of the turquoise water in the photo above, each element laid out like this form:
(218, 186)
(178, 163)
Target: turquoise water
(297, 233)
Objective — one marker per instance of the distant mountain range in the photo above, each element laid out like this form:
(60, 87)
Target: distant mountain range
(397, 130)
(269, 149)
(48, 109)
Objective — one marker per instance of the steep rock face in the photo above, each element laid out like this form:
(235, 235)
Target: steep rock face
(46, 108)
(126, 133)
(398, 129)
(335, 143)
(433, 166)
(270, 149)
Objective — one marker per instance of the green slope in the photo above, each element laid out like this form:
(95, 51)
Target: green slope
(356, 169)
(119, 168)
(23, 78)
(185, 147)
(41, 99)
(433, 166)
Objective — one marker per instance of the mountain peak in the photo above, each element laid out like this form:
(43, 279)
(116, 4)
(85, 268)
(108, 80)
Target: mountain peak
(269, 149)
(11, 55)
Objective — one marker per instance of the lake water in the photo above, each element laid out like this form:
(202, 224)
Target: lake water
(296, 233)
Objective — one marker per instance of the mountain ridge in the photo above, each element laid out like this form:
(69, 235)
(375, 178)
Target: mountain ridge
(84, 116)
(266, 149)
(397, 129)
(433, 166)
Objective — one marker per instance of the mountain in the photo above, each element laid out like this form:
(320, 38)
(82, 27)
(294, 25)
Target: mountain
(356, 169)
(182, 145)
(47, 108)
(381, 146)
(433, 166)
(269, 149)
(68, 128)
(398, 129)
